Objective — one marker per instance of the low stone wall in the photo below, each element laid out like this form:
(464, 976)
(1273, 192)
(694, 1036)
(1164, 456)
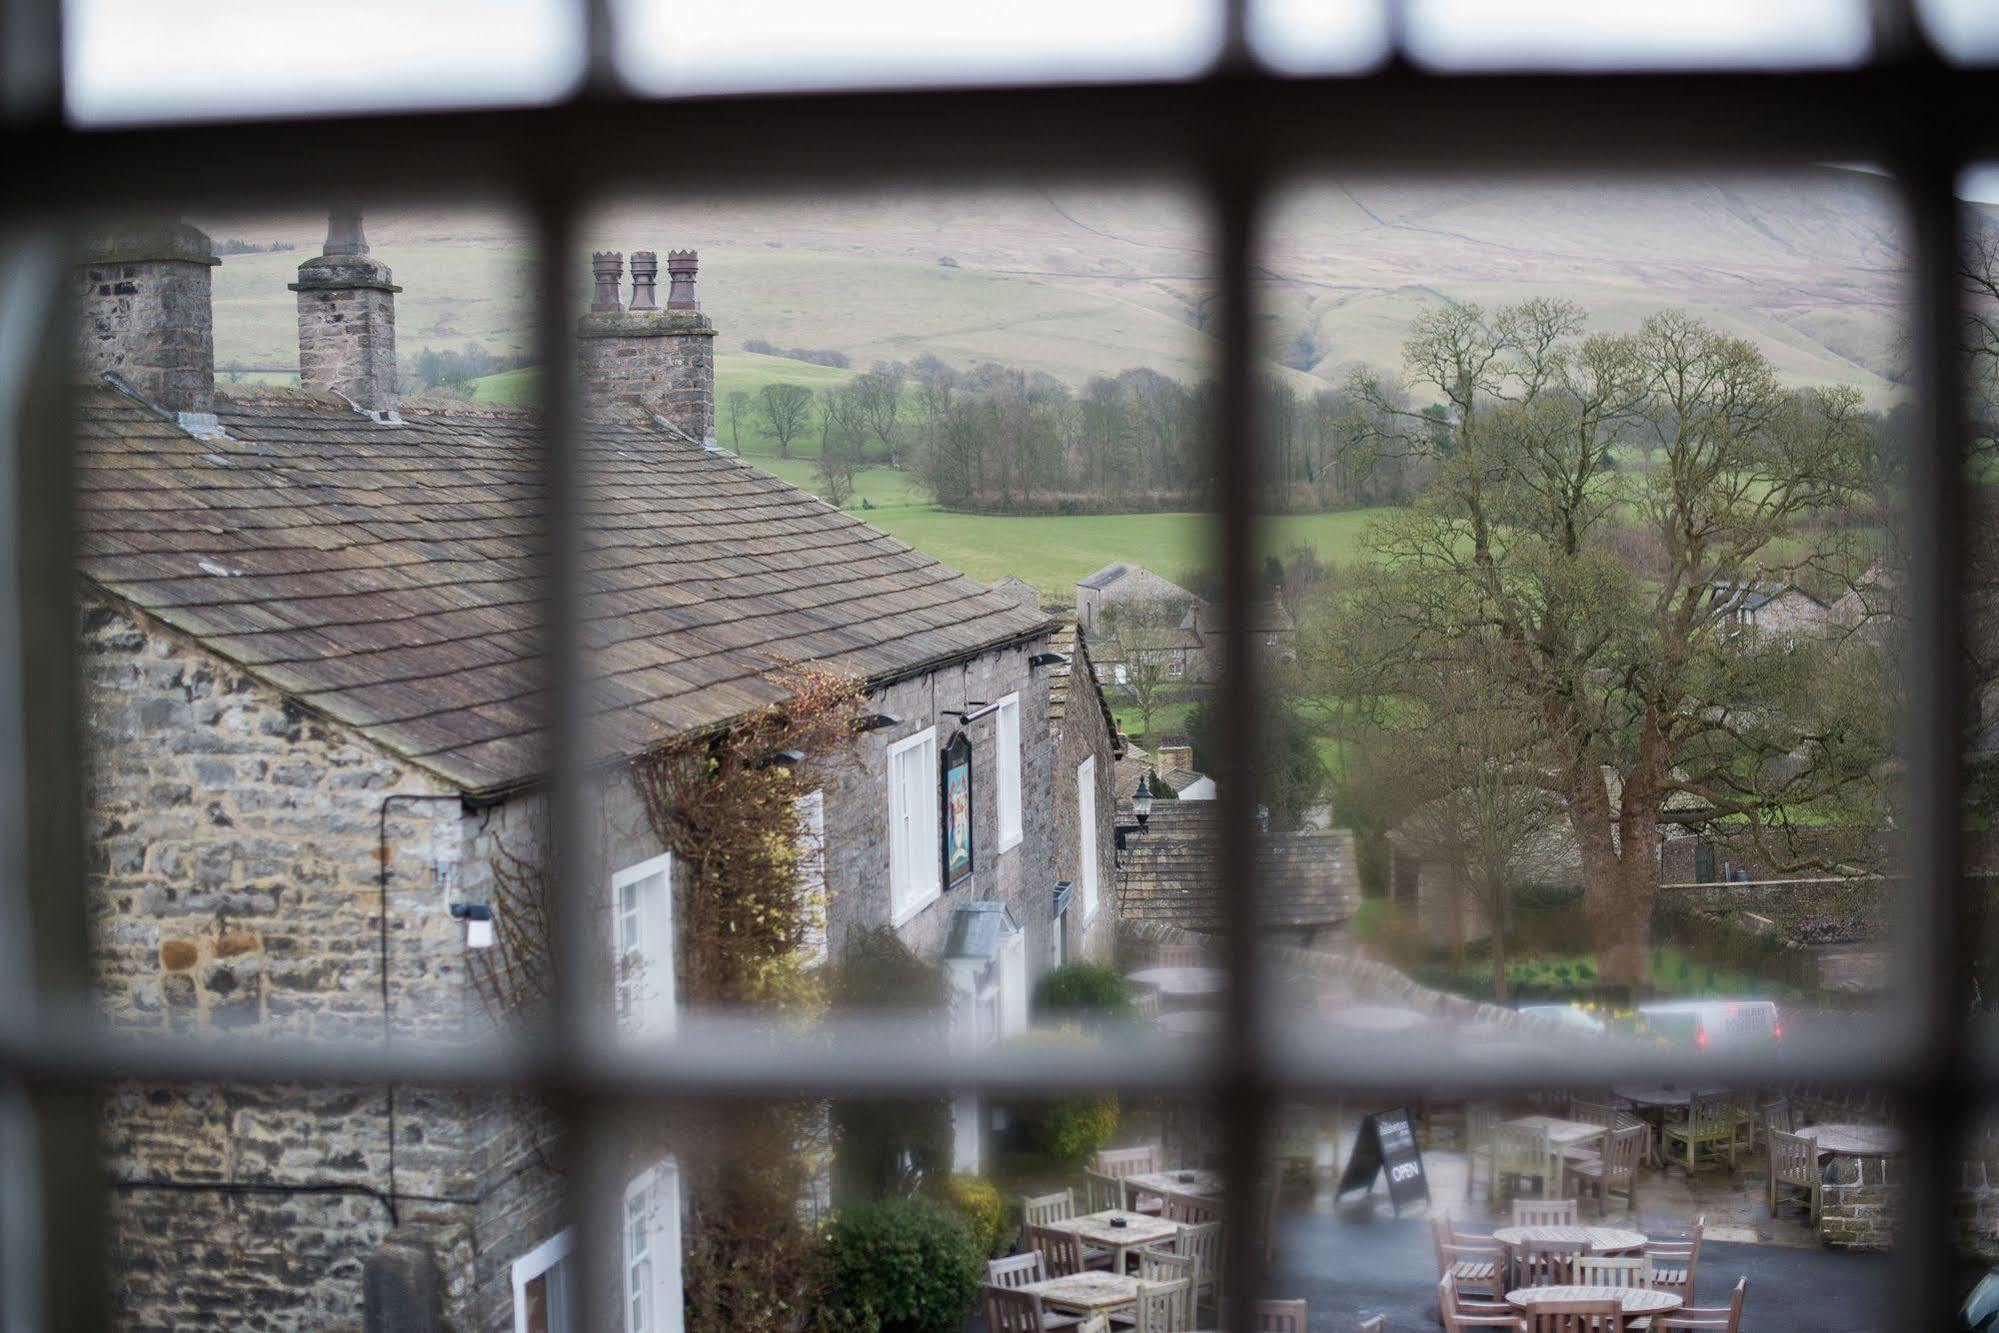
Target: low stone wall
(1862, 1203)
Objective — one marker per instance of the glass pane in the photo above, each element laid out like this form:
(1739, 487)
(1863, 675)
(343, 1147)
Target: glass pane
(131, 60)
(1965, 29)
(1628, 34)
(713, 45)
(1319, 36)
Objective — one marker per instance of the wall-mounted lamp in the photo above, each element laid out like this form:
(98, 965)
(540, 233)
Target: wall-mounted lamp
(876, 721)
(782, 759)
(973, 710)
(1141, 801)
(478, 919)
(1048, 659)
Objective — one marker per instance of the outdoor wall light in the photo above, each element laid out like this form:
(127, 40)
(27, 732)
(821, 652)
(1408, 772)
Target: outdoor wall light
(782, 759)
(973, 710)
(876, 721)
(1141, 801)
(1048, 659)
(478, 919)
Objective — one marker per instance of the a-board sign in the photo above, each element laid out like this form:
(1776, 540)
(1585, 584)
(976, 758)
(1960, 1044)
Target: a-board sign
(1387, 1142)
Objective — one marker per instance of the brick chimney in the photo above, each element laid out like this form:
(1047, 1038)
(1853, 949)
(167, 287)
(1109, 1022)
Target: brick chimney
(640, 356)
(347, 318)
(146, 314)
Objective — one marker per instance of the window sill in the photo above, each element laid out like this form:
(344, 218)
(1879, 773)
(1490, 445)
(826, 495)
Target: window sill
(1008, 844)
(899, 919)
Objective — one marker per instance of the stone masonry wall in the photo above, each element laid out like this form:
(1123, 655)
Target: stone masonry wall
(1862, 1203)
(661, 360)
(347, 343)
(234, 840)
(150, 322)
(1085, 734)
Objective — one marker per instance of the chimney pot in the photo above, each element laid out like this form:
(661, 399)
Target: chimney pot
(645, 280)
(680, 267)
(347, 317)
(608, 266)
(343, 232)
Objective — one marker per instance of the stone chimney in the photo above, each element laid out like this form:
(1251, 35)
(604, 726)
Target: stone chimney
(347, 318)
(659, 361)
(146, 314)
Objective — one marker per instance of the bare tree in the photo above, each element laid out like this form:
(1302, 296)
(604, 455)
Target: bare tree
(879, 396)
(739, 407)
(840, 429)
(784, 409)
(1144, 638)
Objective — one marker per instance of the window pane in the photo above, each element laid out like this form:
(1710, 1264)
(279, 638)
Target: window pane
(1629, 34)
(133, 60)
(1966, 29)
(716, 45)
(1319, 36)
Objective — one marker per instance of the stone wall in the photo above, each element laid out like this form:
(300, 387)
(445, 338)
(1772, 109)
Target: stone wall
(660, 360)
(347, 341)
(144, 313)
(1084, 734)
(1862, 1203)
(234, 846)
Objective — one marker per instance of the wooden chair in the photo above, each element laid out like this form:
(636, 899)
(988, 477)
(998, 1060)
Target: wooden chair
(1020, 1270)
(1674, 1261)
(1520, 1152)
(1545, 1213)
(1273, 1200)
(1158, 1264)
(1102, 1192)
(1202, 1243)
(1469, 1260)
(1061, 1250)
(1709, 1130)
(1480, 1117)
(1096, 1323)
(1615, 1169)
(1794, 1164)
(1708, 1318)
(1182, 955)
(1779, 1114)
(1117, 1163)
(1745, 1117)
(1041, 1209)
(1146, 1004)
(1575, 1317)
(1461, 1316)
(1378, 1324)
(1545, 1263)
(1164, 1307)
(1603, 1270)
(1280, 1317)
(1190, 1209)
(1014, 1312)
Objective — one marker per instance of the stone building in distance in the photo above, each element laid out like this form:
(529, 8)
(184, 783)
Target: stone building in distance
(311, 639)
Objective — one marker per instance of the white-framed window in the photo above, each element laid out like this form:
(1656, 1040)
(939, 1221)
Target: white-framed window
(651, 1231)
(1177, 664)
(1086, 836)
(642, 941)
(545, 1286)
(1006, 769)
(809, 812)
(915, 866)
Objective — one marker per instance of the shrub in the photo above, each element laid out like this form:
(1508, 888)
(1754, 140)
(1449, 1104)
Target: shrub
(1078, 1126)
(900, 1266)
(978, 1201)
(1090, 992)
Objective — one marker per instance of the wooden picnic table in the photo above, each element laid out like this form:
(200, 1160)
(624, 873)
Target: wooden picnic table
(1637, 1301)
(1203, 1184)
(1182, 983)
(1086, 1293)
(1139, 1229)
(1601, 1240)
(1561, 1134)
(1844, 1140)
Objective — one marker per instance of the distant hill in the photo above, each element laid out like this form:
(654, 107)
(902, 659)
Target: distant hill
(1079, 283)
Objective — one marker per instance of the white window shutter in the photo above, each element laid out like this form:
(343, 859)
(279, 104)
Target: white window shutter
(1086, 835)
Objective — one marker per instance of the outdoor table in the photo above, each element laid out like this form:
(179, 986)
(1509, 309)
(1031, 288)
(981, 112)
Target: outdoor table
(1182, 983)
(1601, 1240)
(1380, 1018)
(1140, 1229)
(1651, 1104)
(1854, 1140)
(1205, 1184)
(1638, 1302)
(1561, 1134)
(1086, 1293)
(1191, 1022)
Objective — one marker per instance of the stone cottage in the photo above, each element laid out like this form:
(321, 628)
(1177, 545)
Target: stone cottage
(311, 627)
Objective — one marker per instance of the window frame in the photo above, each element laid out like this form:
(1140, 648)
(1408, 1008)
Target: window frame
(1008, 762)
(1088, 853)
(906, 897)
(666, 1279)
(542, 1258)
(649, 1022)
(811, 829)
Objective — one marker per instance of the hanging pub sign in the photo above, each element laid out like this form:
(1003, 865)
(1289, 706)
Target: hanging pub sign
(956, 783)
(1387, 1143)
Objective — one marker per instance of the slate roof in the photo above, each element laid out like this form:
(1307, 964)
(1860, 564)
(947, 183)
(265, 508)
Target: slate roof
(385, 575)
(1174, 874)
(1104, 577)
(1756, 596)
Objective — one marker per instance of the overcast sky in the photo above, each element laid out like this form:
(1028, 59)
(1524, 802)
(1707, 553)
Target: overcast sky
(150, 59)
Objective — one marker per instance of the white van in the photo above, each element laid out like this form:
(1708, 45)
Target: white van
(1714, 1024)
